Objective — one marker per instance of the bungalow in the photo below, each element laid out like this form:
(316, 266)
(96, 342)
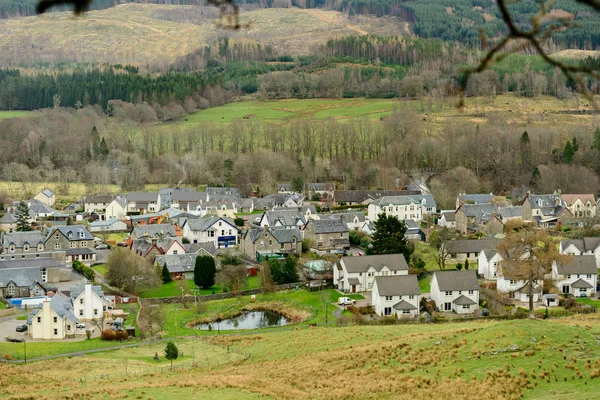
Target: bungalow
(356, 274)
(46, 196)
(585, 246)
(578, 277)
(110, 225)
(327, 235)
(55, 320)
(221, 232)
(180, 266)
(447, 219)
(89, 303)
(258, 241)
(22, 242)
(461, 250)
(580, 205)
(151, 247)
(143, 202)
(396, 296)
(456, 291)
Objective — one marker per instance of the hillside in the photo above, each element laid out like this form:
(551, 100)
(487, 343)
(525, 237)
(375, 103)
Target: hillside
(516, 359)
(148, 33)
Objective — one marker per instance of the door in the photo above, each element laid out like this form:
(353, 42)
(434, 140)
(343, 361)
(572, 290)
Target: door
(353, 288)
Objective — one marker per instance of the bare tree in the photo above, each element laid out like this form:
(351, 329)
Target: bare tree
(439, 241)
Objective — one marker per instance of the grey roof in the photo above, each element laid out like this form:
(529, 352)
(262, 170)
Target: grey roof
(426, 200)
(99, 198)
(22, 277)
(456, 280)
(476, 198)
(178, 262)
(143, 197)
(450, 215)
(156, 230)
(312, 208)
(188, 196)
(480, 212)
(353, 281)
(463, 300)
(62, 306)
(489, 253)
(203, 224)
(47, 192)
(579, 265)
(545, 200)
(360, 196)
(330, 186)
(76, 290)
(283, 217)
(328, 226)
(470, 246)
(108, 222)
(79, 251)
(8, 218)
(29, 263)
(282, 235)
(510, 212)
(222, 191)
(395, 262)
(347, 217)
(18, 239)
(143, 244)
(397, 285)
(37, 207)
(581, 284)
(404, 305)
(197, 248)
(583, 245)
(71, 232)
(284, 186)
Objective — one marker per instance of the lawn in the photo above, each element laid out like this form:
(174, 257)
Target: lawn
(595, 303)
(102, 269)
(425, 283)
(14, 114)
(173, 289)
(2, 306)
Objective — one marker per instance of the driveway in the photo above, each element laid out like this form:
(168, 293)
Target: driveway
(366, 301)
(356, 250)
(8, 326)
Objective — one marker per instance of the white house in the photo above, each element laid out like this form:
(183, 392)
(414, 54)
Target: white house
(448, 219)
(580, 247)
(578, 277)
(143, 202)
(89, 303)
(354, 220)
(107, 206)
(488, 263)
(512, 284)
(117, 208)
(219, 231)
(464, 198)
(110, 225)
(289, 219)
(456, 291)
(55, 320)
(461, 250)
(397, 296)
(580, 205)
(357, 274)
(402, 207)
(46, 196)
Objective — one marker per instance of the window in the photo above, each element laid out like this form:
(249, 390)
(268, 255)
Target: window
(72, 245)
(222, 232)
(448, 293)
(588, 276)
(80, 301)
(84, 244)
(460, 292)
(25, 247)
(411, 297)
(55, 331)
(370, 285)
(405, 311)
(95, 311)
(341, 234)
(512, 281)
(270, 242)
(388, 298)
(55, 319)
(566, 289)
(568, 276)
(447, 306)
(395, 272)
(370, 274)
(81, 313)
(471, 292)
(219, 223)
(174, 251)
(468, 255)
(387, 311)
(384, 273)
(68, 327)
(360, 274)
(39, 319)
(466, 307)
(57, 245)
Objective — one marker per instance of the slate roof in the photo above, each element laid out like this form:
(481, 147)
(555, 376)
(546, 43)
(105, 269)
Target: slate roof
(18, 239)
(142, 197)
(28, 263)
(312, 208)
(188, 196)
(284, 217)
(204, 224)
(397, 285)
(470, 246)
(463, 300)
(284, 186)
(581, 284)
(177, 263)
(80, 251)
(360, 196)
(328, 226)
(579, 265)
(328, 186)
(62, 306)
(76, 290)
(222, 191)
(426, 200)
(456, 280)
(450, 215)
(475, 198)
(8, 218)
(22, 277)
(196, 248)
(395, 262)
(404, 305)
(154, 231)
(510, 212)
(100, 223)
(480, 212)
(37, 207)
(583, 245)
(99, 198)
(74, 230)
(348, 217)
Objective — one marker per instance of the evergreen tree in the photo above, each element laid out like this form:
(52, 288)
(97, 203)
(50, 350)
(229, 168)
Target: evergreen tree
(171, 352)
(22, 216)
(535, 177)
(389, 237)
(276, 270)
(467, 264)
(204, 272)
(290, 269)
(575, 145)
(166, 276)
(525, 151)
(568, 153)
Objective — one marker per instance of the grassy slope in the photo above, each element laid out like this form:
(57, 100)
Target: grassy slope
(454, 360)
(14, 114)
(173, 289)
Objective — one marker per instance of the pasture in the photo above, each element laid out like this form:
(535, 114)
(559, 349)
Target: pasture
(14, 114)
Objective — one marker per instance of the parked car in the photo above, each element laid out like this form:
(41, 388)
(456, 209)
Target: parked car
(80, 325)
(21, 328)
(340, 253)
(345, 301)
(122, 244)
(102, 246)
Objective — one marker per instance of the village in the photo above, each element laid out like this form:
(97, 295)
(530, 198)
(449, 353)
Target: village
(458, 267)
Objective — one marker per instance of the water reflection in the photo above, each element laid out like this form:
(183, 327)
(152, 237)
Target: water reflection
(247, 320)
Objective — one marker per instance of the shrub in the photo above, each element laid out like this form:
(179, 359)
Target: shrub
(86, 271)
(121, 335)
(108, 334)
(239, 221)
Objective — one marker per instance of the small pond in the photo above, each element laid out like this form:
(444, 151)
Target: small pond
(247, 320)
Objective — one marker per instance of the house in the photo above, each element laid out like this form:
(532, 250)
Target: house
(418, 185)
(143, 202)
(201, 249)
(354, 197)
(46, 196)
(49, 268)
(151, 247)
(98, 204)
(23, 242)
(512, 282)
(289, 219)
(354, 220)
(221, 232)
(260, 242)
(110, 225)
(55, 320)
(117, 208)
(180, 266)
(456, 291)
(37, 209)
(547, 210)
(403, 207)
(153, 231)
(578, 277)
(8, 222)
(510, 213)
(166, 195)
(21, 282)
(478, 217)
(75, 240)
(89, 303)
(580, 205)
(187, 200)
(309, 212)
(285, 188)
(221, 193)
(488, 263)
(397, 296)
(464, 198)
(585, 246)
(323, 191)
(327, 235)
(461, 250)
(447, 219)
(414, 233)
(357, 274)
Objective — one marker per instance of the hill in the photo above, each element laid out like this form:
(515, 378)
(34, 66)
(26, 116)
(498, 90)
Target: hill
(516, 359)
(143, 34)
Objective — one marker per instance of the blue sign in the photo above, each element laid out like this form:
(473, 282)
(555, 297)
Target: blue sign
(226, 238)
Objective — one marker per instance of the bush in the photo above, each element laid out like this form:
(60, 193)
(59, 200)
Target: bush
(108, 334)
(86, 271)
(121, 335)
(239, 221)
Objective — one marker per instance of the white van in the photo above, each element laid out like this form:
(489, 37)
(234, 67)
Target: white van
(345, 301)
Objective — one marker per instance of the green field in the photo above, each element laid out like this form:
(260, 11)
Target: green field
(173, 289)
(2, 306)
(14, 114)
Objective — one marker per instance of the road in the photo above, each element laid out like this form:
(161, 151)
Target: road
(354, 250)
